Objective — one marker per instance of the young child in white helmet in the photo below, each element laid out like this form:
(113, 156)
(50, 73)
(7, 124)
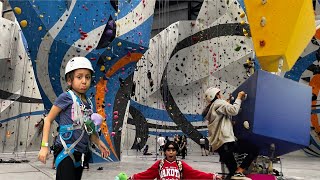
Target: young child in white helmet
(218, 113)
(77, 122)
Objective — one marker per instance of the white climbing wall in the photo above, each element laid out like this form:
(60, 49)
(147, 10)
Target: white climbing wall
(20, 97)
(195, 59)
(209, 51)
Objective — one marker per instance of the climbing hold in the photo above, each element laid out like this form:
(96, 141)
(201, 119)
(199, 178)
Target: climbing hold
(17, 10)
(115, 113)
(263, 21)
(237, 48)
(23, 23)
(115, 117)
(244, 31)
(113, 134)
(102, 68)
(108, 58)
(40, 16)
(262, 43)
(242, 15)
(39, 28)
(263, 2)
(242, 22)
(119, 44)
(317, 35)
(246, 125)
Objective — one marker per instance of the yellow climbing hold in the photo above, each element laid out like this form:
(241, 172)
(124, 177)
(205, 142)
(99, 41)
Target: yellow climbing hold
(41, 16)
(288, 32)
(242, 22)
(244, 31)
(242, 15)
(39, 28)
(102, 68)
(108, 58)
(23, 23)
(17, 10)
(119, 44)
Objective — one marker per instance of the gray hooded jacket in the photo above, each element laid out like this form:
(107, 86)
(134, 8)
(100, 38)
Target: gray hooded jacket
(220, 126)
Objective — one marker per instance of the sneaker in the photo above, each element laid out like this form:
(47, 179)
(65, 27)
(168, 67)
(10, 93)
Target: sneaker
(239, 175)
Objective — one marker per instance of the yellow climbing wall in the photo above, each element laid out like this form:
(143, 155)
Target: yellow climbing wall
(280, 29)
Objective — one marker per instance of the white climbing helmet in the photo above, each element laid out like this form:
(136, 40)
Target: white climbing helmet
(78, 63)
(210, 93)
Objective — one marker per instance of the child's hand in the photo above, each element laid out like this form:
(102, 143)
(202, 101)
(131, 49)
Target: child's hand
(104, 150)
(241, 95)
(218, 177)
(42, 156)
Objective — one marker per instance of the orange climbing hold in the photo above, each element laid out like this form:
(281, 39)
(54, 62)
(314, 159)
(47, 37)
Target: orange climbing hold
(317, 35)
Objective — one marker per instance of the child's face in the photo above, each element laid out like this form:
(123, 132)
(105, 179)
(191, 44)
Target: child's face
(81, 81)
(171, 153)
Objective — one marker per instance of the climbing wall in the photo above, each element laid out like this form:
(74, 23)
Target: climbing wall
(21, 105)
(166, 91)
(112, 34)
(182, 61)
(189, 56)
(307, 71)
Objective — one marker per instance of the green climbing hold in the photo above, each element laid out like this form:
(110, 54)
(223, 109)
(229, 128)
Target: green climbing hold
(237, 48)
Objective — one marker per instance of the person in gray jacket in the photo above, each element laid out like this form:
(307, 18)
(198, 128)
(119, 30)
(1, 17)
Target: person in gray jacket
(218, 113)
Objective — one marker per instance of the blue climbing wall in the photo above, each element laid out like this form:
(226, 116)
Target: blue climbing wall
(114, 35)
(278, 111)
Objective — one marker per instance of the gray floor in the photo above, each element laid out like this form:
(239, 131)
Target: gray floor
(293, 167)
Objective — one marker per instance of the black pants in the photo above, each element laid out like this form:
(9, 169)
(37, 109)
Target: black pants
(138, 147)
(183, 152)
(242, 146)
(66, 169)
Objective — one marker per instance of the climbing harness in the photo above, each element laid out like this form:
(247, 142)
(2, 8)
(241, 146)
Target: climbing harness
(81, 120)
